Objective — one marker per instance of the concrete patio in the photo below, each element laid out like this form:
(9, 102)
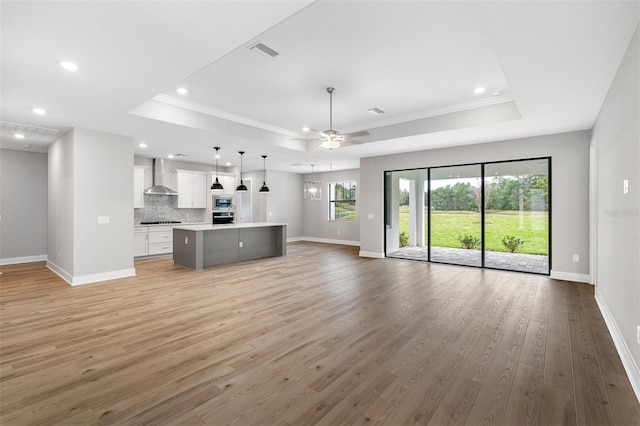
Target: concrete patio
(520, 262)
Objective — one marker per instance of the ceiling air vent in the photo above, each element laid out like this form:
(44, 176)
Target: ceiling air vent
(265, 49)
(375, 111)
(26, 128)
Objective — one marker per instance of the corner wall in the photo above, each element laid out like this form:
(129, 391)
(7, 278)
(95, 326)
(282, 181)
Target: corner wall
(570, 191)
(23, 206)
(617, 157)
(89, 179)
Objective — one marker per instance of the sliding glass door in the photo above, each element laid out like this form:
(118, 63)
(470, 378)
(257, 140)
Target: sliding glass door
(494, 215)
(456, 231)
(517, 216)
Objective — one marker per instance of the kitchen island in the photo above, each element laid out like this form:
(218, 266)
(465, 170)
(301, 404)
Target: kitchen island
(198, 246)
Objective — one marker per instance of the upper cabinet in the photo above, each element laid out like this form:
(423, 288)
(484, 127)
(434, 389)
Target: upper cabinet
(138, 186)
(192, 189)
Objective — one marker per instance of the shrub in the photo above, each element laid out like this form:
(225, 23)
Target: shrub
(512, 244)
(404, 238)
(469, 241)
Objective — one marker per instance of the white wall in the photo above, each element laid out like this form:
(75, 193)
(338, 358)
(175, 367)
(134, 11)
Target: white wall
(23, 205)
(570, 191)
(315, 213)
(90, 177)
(617, 151)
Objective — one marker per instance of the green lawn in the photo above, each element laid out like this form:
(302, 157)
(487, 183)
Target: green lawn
(531, 227)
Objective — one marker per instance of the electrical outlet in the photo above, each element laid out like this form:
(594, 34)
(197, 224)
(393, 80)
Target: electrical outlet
(240, 244)
(338, 232)
(638, 334)
(576, 258)
(186, 240)
(104, 219)
(625, 186)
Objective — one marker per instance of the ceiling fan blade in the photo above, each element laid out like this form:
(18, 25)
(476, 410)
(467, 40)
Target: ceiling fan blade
(356, 134)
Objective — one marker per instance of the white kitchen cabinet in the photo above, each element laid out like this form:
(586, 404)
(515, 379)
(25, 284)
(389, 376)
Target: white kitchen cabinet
(192, 189)
(160, 240)
(140, 241)
(138, 187)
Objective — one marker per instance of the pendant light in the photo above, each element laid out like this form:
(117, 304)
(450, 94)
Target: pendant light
(312, 188)
(217, 186)
(242, 187)
(264, 189)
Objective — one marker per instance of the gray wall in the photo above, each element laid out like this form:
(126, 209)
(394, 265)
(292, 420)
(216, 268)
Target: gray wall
(90, 176)
(570, 189)
(617, 157)
(315, 213)
(283, 204)
(23, 205)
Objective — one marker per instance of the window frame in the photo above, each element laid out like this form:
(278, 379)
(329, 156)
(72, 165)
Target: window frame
(331, 200)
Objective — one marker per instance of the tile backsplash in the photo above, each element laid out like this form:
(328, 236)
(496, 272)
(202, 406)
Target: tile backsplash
(165, 208)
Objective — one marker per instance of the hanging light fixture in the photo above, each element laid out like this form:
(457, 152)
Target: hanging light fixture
(242, 187)
(217, 186)
(312, 188)
(264, 189)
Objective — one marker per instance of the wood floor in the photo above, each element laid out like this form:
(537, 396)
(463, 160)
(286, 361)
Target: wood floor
(319, 336)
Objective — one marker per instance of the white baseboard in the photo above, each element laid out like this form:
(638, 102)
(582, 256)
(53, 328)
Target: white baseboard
(373, 254)
(570, 276)
(330, 241)
(24, 259)
(633, 372)
(295, 239)
(90, 278)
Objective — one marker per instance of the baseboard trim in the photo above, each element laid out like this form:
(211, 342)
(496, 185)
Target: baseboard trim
(23, 259)
(329, 241)
(633, 372)
(570, 276)
(372, 254)
(294, 239)
(90, 278)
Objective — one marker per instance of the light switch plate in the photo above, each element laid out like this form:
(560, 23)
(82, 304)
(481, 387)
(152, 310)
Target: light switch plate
(370, 216)
(104, 219)
(576, 258)
(625, 186)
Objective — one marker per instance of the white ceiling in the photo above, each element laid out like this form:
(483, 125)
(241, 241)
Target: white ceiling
(419, 61)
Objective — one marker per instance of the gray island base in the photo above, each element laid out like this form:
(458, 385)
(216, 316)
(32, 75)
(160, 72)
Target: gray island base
(199, 246)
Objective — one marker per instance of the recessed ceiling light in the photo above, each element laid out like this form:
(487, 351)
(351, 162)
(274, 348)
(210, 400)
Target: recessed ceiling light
(497, 93)
(69, 66)
(479, 90)
(182, 90)
(27, 146)
(142, 145)
(375, 111)
(19, 136)
(305, 129)
(227, 163)
(170, 156)
(39, 111)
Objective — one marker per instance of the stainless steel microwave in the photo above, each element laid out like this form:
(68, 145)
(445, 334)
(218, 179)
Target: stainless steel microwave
(222, 202)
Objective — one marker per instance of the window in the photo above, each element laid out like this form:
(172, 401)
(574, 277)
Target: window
(342, 201)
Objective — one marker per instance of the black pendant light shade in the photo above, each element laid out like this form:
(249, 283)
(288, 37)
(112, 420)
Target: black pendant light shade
(264, 188)
(217, 186)
(242, 187)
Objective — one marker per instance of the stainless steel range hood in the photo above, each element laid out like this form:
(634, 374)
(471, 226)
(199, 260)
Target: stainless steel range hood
(158, 179)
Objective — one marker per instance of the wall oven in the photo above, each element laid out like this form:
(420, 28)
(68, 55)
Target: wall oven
(221, 217)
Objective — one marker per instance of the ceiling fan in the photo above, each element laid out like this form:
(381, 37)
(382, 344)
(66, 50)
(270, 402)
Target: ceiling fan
(332, 138)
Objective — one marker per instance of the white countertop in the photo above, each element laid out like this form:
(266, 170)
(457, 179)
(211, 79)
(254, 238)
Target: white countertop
(172, 225)
(210, 227)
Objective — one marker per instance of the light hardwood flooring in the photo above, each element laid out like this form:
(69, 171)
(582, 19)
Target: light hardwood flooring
(319, 336)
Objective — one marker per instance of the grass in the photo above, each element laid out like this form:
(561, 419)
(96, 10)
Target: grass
(532, 227)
